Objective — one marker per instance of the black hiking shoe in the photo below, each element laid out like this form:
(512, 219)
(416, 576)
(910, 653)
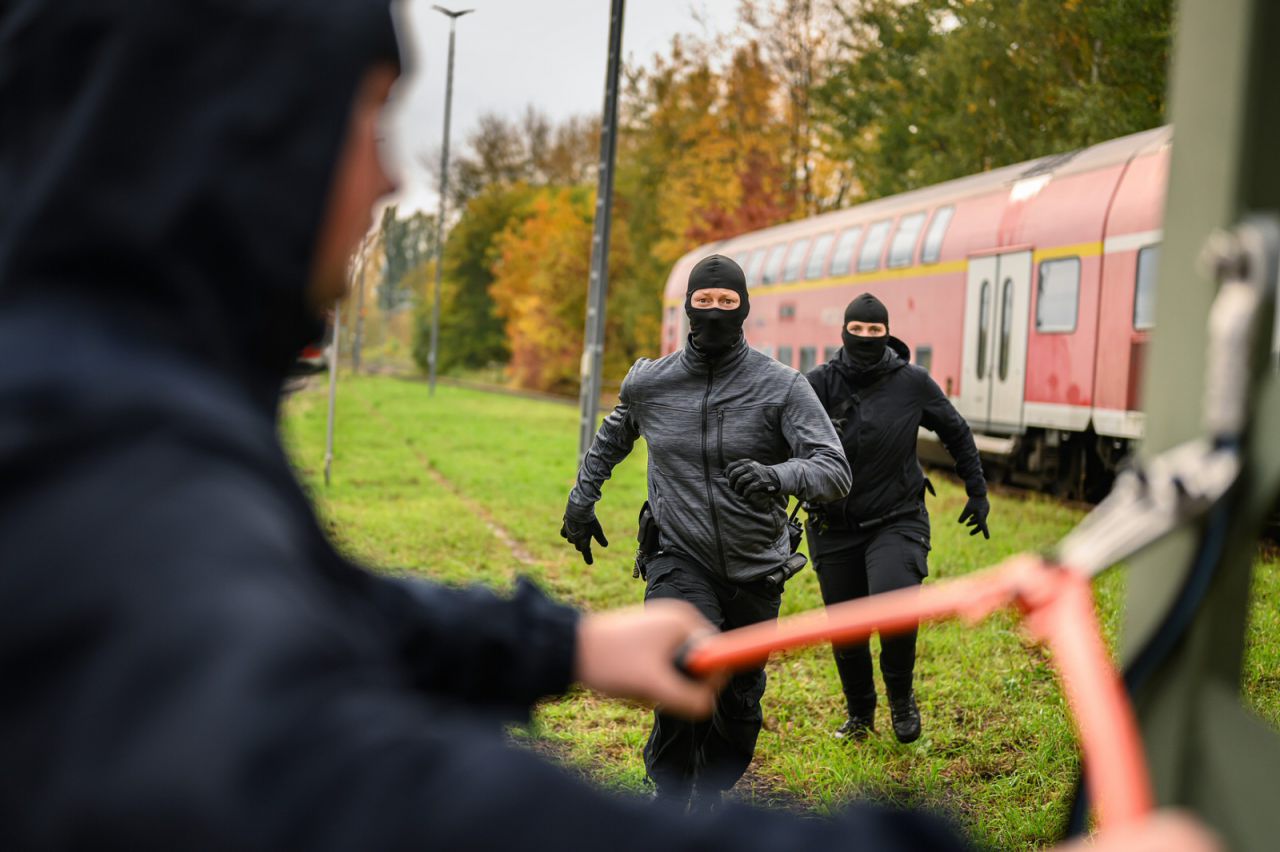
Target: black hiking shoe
(857, 727)
(906, 717)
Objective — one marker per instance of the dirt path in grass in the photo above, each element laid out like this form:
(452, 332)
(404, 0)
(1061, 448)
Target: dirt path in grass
(501, 533)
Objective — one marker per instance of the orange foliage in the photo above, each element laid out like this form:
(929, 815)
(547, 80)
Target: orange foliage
(540, 285)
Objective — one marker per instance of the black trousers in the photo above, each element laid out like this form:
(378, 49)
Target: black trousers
(853, 564)
(713, 752)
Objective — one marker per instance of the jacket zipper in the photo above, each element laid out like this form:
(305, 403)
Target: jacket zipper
(706, 472)
(720, 436)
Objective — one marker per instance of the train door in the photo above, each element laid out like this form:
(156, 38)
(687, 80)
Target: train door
(1009, 342)
(997, 311)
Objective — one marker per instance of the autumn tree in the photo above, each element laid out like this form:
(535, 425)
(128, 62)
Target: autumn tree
(539, 278)
(471, 332)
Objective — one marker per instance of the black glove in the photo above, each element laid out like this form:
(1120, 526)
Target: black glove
(975, 515)
(750, 478)
(579, 528)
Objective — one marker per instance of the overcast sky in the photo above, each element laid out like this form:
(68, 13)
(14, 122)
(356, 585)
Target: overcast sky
(511, 53)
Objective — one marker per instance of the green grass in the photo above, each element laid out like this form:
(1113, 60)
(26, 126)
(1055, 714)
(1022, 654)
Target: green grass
(419, 484)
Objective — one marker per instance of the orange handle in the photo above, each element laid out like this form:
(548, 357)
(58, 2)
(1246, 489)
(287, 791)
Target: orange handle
(891, 612)
(1114, 761)
(1058, 605)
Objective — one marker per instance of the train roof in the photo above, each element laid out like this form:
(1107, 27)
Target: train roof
(1101, 155)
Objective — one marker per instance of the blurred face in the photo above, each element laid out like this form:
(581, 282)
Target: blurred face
(359, 181)
(715, 297)
(866, 329)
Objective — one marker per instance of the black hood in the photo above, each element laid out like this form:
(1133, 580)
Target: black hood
(166, 165)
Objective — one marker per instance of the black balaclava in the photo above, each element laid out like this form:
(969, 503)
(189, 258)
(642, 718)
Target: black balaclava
(715, 331)
(865, 352)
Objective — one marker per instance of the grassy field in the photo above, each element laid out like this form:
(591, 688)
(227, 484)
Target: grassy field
(470, 487)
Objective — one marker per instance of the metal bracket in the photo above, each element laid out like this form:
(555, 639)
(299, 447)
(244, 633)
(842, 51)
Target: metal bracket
(1147, 503)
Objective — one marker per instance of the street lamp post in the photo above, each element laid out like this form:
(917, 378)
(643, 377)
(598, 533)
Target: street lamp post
(444, 192)
(598, 284)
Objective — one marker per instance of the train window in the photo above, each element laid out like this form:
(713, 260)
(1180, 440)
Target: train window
(765, 349)
(932, 249)
(869, 257)
(818, 257)
(902, 248)
(784, 355)
(787, 311)
(984, 315)
(1144, 291)
(924, 358)
(808, 358)
(1006, 327)
(741, 259)
(795, 257)
(829, 353)
(842, 257)
(1057, 295)
(753, 267)
(773, 266)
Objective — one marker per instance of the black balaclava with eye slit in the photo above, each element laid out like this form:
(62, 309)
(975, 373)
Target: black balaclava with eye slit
(714, 331)
(865, 352)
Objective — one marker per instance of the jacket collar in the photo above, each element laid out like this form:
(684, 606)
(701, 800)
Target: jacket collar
(699, 364)
(896, 355)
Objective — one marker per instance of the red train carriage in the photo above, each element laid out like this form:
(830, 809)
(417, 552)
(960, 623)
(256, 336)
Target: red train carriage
(1027, 292)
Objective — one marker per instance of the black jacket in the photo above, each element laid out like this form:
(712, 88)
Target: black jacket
(879, 412)
(185, 661)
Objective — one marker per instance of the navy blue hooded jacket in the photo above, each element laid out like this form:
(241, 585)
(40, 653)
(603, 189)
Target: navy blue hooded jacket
(185, 660)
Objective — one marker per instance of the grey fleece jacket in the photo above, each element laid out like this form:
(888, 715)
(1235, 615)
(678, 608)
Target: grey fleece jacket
(697, 416)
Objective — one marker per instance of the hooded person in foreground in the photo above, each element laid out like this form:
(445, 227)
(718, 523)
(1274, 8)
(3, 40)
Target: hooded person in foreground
(186, 661)
(877, 539)
(731, 434)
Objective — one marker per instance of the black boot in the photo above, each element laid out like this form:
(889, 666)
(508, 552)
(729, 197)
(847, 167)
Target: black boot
(862, 719)
(855, 729)
(906, 717)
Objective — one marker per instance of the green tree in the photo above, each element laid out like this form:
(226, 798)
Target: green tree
(407, 244)
(471, 332)
(925, 91)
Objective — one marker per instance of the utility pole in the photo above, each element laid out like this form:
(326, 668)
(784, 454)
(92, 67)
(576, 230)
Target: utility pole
(1206, 751)
(444, 194)
(362, 257)
(598, 286)
(333, 389)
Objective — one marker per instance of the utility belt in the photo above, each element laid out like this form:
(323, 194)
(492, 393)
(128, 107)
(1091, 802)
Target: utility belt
(824, 519)
(649, 547)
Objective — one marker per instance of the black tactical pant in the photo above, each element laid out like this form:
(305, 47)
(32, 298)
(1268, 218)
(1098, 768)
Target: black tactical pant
(853, 564)
(716, 751)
